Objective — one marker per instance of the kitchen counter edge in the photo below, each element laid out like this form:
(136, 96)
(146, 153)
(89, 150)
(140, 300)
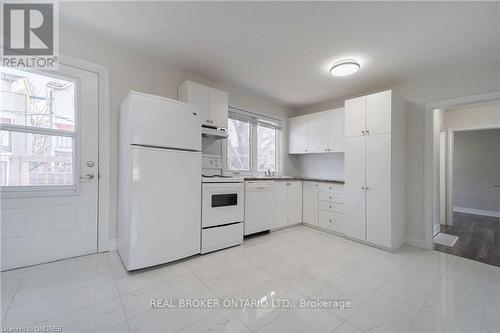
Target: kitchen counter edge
(337, 181)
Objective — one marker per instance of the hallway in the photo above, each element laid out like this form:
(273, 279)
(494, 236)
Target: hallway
(479, 238)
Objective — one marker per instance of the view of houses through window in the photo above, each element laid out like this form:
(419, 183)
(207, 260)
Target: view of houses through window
(253, 144)
(37, 137)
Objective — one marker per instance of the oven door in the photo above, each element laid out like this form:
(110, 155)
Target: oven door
(222, 203)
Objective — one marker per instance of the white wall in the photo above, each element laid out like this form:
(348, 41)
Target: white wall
(330, 166)
(476, 168)
(129, 71)
(481, 116)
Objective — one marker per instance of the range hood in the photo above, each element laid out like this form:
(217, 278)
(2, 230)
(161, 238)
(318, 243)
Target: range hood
(215, 133)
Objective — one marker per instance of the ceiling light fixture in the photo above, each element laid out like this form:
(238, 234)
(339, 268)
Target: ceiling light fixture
(345, 67)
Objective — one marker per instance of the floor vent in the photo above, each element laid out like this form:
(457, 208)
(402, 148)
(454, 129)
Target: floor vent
(445, 239)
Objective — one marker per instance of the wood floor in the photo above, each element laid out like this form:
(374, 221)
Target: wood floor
(479, 238)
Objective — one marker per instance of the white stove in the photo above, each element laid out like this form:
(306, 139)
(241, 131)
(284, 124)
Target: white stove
(222, 211)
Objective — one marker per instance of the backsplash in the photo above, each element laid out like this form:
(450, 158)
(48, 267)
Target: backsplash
(330, 166)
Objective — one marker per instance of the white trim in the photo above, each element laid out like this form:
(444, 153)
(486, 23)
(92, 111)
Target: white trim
(449, 178)
(474, 211)
(103, 241)
(253, 144)
(429, 200)
(415, 242)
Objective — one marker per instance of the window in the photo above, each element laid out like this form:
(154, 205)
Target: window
(238, 145)
(253, 144)
(37, 136)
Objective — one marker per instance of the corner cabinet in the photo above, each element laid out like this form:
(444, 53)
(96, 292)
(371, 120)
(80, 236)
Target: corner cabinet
(375, 169)
(320, 132)
(212, 103)
(310, 202)
(288, 204)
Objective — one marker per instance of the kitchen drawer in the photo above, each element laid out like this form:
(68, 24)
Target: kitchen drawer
(216, 238)
(333, 188)
(331, 197)
(331, 221)
(332, 207)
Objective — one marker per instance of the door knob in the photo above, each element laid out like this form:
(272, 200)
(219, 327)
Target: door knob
(87, 177)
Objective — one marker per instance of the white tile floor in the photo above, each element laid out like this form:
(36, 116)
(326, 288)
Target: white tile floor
(413, 290)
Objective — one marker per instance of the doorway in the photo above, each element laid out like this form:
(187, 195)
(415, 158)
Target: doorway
(467, 181)
(48, 165)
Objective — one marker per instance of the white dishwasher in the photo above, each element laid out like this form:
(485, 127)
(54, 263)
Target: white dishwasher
(259, 206)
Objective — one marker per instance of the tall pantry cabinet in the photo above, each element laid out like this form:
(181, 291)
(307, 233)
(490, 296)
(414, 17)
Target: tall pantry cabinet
(375, 169)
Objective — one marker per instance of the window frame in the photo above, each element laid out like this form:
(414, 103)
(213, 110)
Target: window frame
(50, 190)
(253, 120)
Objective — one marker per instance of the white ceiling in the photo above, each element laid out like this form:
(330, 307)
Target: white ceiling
(284, 49)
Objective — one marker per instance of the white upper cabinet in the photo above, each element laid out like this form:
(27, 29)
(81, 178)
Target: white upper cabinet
(336, 137)
(297, 139)
(218, 108)
(378, 113)
(355, 116)
(368, 115)
(213, 103)
(320, 132)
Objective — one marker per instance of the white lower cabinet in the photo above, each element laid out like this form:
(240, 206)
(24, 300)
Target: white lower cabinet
(288, 203)
(355, 187)
(331, 221)
(323, 205)
(310, 202)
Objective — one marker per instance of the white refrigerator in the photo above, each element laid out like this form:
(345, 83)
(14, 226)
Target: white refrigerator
(159, 200)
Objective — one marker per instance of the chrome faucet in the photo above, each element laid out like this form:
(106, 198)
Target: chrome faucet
(269, 173)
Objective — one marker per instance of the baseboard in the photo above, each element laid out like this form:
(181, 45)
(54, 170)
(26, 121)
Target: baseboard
(112, 244)
(417, 242)
(483, 212)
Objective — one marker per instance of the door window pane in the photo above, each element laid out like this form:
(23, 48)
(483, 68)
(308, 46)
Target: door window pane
(238, 145)
(32, 99)
(36, 159)
(266, 148)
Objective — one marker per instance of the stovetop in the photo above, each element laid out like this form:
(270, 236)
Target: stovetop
(221, 179)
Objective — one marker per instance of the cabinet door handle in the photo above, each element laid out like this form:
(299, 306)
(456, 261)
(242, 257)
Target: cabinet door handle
(363, 188)
(330, 221)
(496, 185)
(368, 132)
(363, 132)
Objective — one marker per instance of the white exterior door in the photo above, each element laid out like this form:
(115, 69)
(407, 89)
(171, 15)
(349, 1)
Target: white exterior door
(355, 116)
(378, 193)
(49, 165)
(354, 187)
